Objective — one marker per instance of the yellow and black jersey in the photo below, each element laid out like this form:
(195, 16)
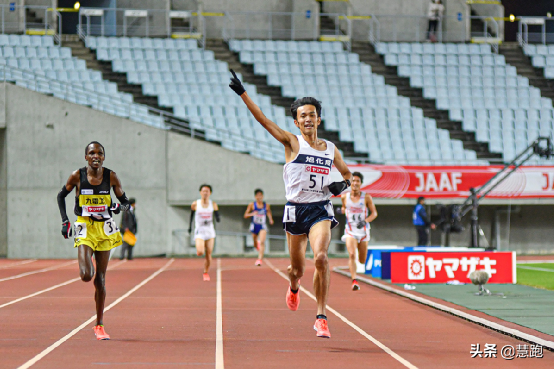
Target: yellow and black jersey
(94, 201)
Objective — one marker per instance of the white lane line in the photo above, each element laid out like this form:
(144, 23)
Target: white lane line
(38, 271)
(51, 348)
(219, 322)
(535, 268)
(535, 261)
(52, 288)
(400, 359)
(487, 323)
(18, 263)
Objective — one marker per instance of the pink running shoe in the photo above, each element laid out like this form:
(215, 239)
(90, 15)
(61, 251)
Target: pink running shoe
(258, 262)
(100, 333)
(293, 299)
(321, 328)
(206, 277)
(355, 285)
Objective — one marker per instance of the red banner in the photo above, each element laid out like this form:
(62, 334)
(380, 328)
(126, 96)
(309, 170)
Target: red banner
(441, 267)
(384, 181)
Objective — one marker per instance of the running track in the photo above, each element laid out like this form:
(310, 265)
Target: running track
(170, 320)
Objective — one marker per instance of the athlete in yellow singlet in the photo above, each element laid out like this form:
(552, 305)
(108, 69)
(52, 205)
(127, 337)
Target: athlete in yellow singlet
(96, 233)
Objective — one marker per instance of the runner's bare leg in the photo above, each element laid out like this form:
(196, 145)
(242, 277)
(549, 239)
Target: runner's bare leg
(320, 237)
(209, 249)
(362, 252)
(86, 267)
(262, 236)
(351, 246)
(102, 258)
(297, 250)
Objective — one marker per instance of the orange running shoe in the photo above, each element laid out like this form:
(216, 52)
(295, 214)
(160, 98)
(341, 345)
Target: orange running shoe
(320, 326)
(100, 333)
(355, 285)
(293, 299)
(258, 262)
(206, 277)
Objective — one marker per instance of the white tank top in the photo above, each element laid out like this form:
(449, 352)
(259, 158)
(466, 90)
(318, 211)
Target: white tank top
(204, 217)
(308, 176)
(355, 211)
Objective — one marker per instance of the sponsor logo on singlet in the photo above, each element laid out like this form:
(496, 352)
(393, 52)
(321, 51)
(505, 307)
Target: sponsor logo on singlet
(104, 192)
(95, 209)
(317, 170)
(87, 192)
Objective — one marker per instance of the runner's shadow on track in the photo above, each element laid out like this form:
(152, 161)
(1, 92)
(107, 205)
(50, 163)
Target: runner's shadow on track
(341, 350)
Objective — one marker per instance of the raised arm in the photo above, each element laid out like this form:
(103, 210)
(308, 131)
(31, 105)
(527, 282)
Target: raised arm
(372, 209)
(280, 135)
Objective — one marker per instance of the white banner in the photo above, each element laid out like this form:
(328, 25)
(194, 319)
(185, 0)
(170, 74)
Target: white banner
(136, 13)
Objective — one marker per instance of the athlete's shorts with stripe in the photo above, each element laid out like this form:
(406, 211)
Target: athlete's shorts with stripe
(99, 236)
(298, 219)
(361, 235)
(256, 228)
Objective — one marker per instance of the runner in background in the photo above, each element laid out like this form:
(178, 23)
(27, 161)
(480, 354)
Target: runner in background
(259, 211)
(355, 205)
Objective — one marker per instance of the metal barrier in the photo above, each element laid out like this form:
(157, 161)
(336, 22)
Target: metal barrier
(64, 90)
(142, 23)
(538, 24)
(237, 243)
(14, 19)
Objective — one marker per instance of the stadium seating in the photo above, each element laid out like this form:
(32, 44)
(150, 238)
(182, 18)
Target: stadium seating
(478, 89)
(356, 103)
(190, 81)
(36, 63)
(542, 56)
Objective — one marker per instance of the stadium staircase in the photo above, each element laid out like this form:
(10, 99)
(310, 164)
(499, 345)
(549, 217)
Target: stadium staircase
(79, 50)
(368, 55)
(514, 56)
(224, 53)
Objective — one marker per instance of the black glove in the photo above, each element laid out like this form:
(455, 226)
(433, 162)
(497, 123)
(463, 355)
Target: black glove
(337, 187)
(190, 230)
(360, 224)
(236, 85)
(117, 208)
(67, 231)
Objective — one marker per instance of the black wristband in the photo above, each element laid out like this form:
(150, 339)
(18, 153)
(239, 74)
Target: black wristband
(61, 203)
(217, 218)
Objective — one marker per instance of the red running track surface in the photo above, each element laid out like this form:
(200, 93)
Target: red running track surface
(171, 322)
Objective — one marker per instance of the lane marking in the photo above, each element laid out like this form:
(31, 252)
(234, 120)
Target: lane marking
(219, 322)
(484, 322)
(56, 344)
(535, 261)
(18, 263)
(393, 354)
(37, 271)
(535, 268)
(52, 288)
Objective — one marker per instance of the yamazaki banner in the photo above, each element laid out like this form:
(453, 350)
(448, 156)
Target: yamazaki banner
(383, 181)
(441, 267)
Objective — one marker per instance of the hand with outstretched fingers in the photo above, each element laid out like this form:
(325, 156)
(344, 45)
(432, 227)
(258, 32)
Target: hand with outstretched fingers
(236, 84)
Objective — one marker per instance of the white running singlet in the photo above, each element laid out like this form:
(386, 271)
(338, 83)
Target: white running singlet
(204, 221)
(308, 176)
(356, 212)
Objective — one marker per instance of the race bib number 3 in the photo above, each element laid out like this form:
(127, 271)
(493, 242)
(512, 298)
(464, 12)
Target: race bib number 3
(80, 230)
(110, 227)
(290, 214)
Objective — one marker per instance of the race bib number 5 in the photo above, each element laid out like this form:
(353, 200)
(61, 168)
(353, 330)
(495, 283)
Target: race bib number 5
(80, 230)
(110, 227)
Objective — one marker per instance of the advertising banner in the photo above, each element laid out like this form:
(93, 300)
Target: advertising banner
(441, 267)
(386, 181)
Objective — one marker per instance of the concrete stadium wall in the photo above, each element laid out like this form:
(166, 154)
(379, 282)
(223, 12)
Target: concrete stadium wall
(3, 196)
(45, 141)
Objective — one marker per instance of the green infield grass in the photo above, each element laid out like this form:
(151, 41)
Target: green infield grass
(536, 275)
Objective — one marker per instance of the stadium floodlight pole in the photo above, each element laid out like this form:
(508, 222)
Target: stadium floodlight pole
(472, 202)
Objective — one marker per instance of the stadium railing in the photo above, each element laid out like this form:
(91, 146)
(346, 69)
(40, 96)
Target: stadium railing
(538, 34)
(240, 243)
(13, 19)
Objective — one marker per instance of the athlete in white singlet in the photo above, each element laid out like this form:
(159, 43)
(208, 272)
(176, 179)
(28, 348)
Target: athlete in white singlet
(308, 213)
(203, 212)
(355, 205)
(259, 211)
